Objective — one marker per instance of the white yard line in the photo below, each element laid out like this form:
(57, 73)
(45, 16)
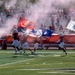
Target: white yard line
(7, 64)
(16, 62)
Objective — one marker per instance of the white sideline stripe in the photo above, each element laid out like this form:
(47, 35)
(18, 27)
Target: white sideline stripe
(54, 52)
(47, 72)
(16, 62)
(56, 72)
(47, 69)
(40, 52)
(51, 72)
(30, 69)
(34, 69)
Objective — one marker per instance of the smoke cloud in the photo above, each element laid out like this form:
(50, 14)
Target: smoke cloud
(10, 4)
(38, 12)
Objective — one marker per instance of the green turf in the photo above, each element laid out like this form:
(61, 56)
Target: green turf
(44, 62)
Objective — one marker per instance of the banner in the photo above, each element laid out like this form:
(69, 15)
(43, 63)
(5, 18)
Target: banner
(39, 32)
(71, 25)
(23, 22)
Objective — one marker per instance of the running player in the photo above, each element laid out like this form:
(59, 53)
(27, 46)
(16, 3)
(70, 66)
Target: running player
(36, 46)
(16, 42)
(62, 45)
(25, 46)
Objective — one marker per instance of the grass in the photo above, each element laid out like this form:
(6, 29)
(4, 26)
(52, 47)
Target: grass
(44, 62)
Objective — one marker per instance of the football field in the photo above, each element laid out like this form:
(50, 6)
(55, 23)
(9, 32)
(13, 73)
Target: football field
(44, 62)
